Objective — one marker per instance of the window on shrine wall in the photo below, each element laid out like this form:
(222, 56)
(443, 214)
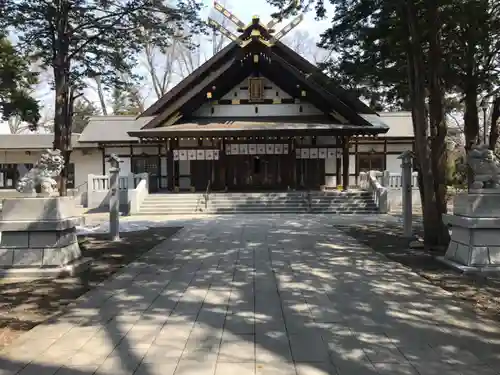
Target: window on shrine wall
(370, 162)
(256, 89)
(11, 173)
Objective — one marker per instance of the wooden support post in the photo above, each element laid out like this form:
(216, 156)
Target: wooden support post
(338, 163)
(356, 161)
(170, 166)
(224, 162)
(385, 154)
(345, 163)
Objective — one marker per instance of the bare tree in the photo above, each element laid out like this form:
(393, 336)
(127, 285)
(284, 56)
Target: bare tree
(160, 65)
(16, 125)
(306, 46)
(166, 66)
(100, 93)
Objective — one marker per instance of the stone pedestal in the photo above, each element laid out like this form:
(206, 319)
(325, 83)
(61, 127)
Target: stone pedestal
(38, 237)
(475, 231)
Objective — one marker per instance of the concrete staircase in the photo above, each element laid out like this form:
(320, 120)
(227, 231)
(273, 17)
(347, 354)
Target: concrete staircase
(352, 202)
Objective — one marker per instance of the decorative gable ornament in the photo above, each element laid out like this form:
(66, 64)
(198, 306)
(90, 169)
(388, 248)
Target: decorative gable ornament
(255, 30)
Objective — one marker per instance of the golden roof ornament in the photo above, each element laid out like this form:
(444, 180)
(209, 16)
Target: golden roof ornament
(255, 30)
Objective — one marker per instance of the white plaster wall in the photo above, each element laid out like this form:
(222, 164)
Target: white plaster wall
(85, 164)
(399, 147)
(393, 164)
(274, 92)
(88, 162)
(125, 167)
(248, 110)
(243, 110)
(352, 163)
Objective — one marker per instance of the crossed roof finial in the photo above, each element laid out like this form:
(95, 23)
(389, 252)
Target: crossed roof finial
(254, 30)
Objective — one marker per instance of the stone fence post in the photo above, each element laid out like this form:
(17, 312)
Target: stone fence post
(114, 198)
(406, 188)
(386, 178)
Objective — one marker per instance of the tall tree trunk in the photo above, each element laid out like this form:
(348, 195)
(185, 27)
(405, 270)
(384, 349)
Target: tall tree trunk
(438, 128)
(495, 124)
(471, 118)
(62, 125)
(61, 69)
(416, 78)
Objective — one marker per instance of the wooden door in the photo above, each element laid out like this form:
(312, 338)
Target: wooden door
(310, 173)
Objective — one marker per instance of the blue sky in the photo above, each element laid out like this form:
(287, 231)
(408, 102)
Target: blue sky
(243, 9)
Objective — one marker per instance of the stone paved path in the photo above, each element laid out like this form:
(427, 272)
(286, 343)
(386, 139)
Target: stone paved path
(261, 295)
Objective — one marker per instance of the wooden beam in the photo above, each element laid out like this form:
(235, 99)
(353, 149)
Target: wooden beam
(191, 79)
(356, 160)
(172, 120)
(230, 16)
(350, 114)
(385, 154)
(201, 87)
(318, 77)
(279, 35)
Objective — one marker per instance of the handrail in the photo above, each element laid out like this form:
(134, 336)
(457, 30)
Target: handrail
(76, 190)
(370, 183)
(309, 200)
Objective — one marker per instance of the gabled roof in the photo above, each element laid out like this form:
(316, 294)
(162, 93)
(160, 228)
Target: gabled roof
(284, 65)
(199, 72)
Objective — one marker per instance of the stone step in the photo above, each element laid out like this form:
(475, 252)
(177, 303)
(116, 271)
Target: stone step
(351, 202)
(249, 211)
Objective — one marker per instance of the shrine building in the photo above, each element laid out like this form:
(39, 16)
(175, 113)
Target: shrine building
(256, 116)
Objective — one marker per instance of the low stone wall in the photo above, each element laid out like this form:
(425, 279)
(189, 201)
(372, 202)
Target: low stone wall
(132, 191)
(395, 197)
(38, 232)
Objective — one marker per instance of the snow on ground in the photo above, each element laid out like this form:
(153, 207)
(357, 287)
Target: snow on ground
(125, 226)
(131, 224)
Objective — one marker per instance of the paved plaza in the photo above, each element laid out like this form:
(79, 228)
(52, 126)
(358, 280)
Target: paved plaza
(276, 295)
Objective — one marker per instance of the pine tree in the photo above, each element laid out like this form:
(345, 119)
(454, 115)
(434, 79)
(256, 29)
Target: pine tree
(78, 39)
(15, 83)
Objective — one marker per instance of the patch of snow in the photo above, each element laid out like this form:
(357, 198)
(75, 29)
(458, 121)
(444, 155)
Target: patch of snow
(125, 226)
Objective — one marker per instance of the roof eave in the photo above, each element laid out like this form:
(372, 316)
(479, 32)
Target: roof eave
(342, 130)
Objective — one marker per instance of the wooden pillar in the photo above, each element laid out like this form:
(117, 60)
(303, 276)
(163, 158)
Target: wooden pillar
(338, 162)
(224, 163)
(385, 154)
(356, 160)
(293, 153)
(103, 154)
(345, 163)
(170, 165)
(175, 164)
